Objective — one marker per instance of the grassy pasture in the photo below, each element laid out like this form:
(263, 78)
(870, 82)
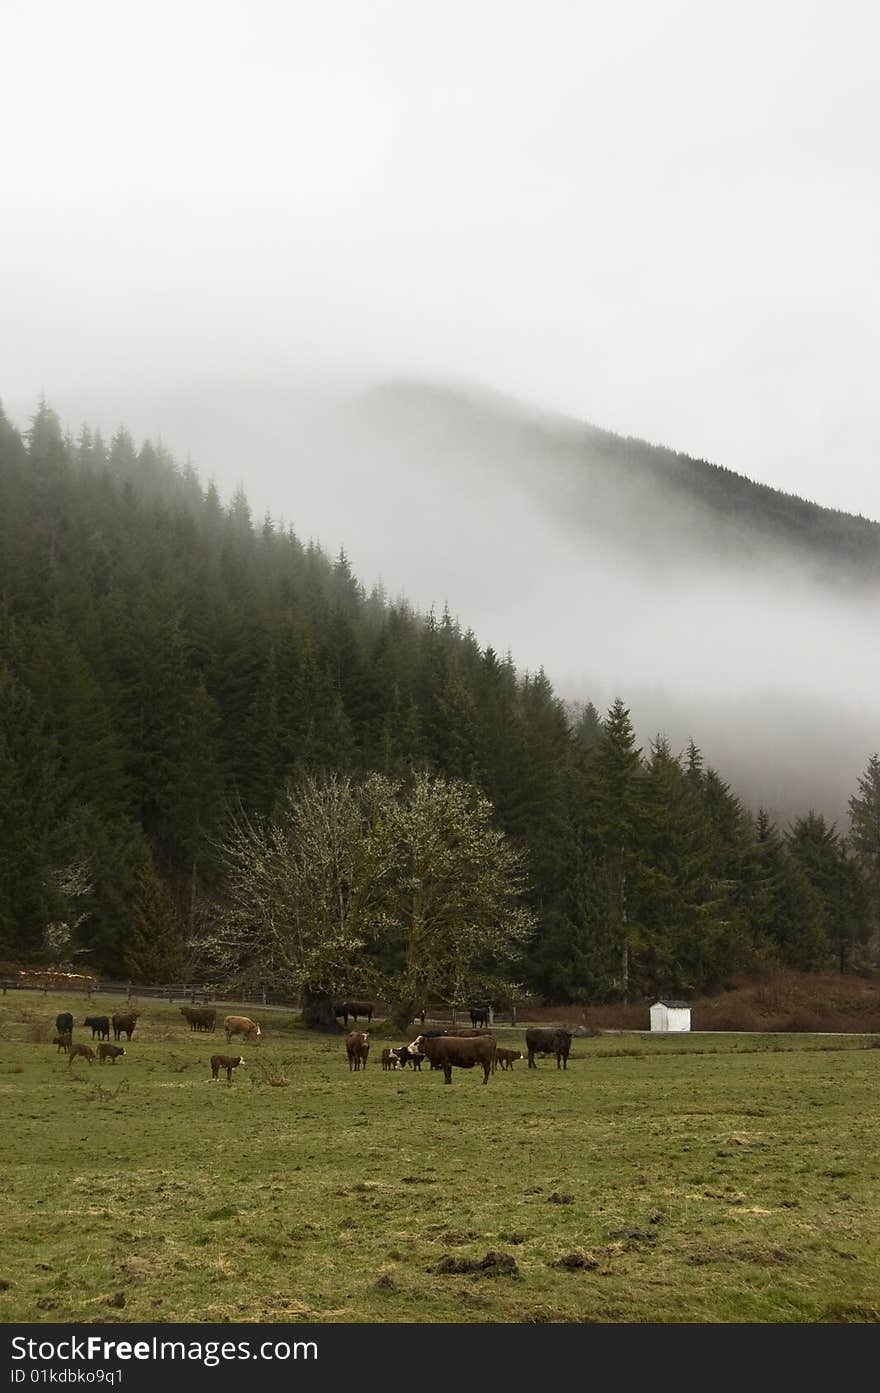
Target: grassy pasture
(697, 1178)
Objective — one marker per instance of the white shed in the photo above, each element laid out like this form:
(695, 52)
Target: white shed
(670, 1015)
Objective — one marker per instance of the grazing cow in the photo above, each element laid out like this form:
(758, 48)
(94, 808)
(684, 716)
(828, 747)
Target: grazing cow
(76, 1051)
(548, 1041)
(243, 1026)
(124, 1021)
(227, 1062)
(64, 1023)
(448, 1051)
(62, 1041)
(111, 1052)
(357, 1047)
(354, 1009)
(479, 1015)
(200, 1017)
(505, 1058)
(406, 1056)
(100, 1026)
(390, 1059)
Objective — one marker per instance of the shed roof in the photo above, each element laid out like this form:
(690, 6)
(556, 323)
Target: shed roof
(676, 1005)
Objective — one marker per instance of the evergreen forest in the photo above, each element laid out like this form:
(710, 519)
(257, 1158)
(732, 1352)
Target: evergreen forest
(168, 663)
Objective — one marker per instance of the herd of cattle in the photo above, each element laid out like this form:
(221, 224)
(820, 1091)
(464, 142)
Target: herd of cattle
(443, 1049)
(124, 1022)
(465, 1049)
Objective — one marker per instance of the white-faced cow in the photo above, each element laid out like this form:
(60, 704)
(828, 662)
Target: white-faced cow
(227, 1062)
(454, 1051)
(243, 1026)
(357, 1047)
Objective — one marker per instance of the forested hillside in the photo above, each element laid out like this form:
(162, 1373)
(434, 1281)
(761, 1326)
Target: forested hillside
(657, 501)
(165, 660)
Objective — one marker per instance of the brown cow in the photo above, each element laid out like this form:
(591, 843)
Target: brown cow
(354, 1009)
(462, 1052)
(227, 1062)
(124, 1021)
(357, 1047)
(505, 1058)
(76, 1051)
(241, 1025)
(62, 1041)
(111, 1052)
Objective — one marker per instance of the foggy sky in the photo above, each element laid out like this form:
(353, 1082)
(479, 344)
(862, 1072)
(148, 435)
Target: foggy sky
(219, 221)
(661, 217)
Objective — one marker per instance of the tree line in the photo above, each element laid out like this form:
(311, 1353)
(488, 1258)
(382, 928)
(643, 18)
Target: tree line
(177, 678)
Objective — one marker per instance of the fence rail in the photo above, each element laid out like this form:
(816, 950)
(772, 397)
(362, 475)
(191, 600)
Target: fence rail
(217, 992)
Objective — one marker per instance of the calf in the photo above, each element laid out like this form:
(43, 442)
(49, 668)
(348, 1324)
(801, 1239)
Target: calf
(357, 1047)
(76, 1051)
(111, 1052)
(505, 1058)
(227, 1062)
(406, 1056)
(553, 1041)
(448, 1051)
(124, 1021)
(62, 1041)
(100, 1026)
(243, 1026)
(64, 1022)
(390, 1059)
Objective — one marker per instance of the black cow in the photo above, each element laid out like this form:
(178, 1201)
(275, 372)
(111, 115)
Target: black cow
(64, 1023)
(548, 1041)
(100, 1026)
(479, 1015)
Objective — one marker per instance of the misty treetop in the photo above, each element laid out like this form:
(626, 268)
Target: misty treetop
(170, 669)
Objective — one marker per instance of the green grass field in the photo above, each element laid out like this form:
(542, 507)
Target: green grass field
(698, 1178)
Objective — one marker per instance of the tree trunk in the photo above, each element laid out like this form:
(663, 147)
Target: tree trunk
(317, 1011)
(403, 1014)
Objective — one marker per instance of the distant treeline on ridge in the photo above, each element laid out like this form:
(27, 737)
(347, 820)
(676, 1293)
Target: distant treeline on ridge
(165, 660)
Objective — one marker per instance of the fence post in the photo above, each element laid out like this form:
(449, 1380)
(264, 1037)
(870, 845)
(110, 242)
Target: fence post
(491, 1015)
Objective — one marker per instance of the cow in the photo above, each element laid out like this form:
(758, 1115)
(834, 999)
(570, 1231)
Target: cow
(479, 1015)
(354, 1009)
(64, 1023)
(124, 1021)
(243, 1026)
(390, 1059)
(100, 1026)
(200, 1017)
(227, 1062)
(405, 1056)
(504, 1058)
(76, 1051)
(448, 1051)
(357, 1047)
(111, 1052)
(548, 1041)
(62, 1041)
